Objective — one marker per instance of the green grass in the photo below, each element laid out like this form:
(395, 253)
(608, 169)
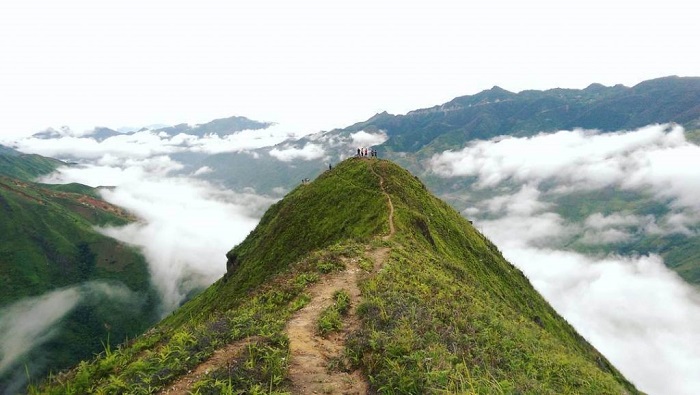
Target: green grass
(25, 166)
(177, 345)
(331, 318)
(445, 314)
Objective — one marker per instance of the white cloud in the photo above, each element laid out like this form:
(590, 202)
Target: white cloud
(616, 228)
(147, 144)
(600, 221)
(543, 229)
(203, 170)
(310, 151)
(637, 312)
(186, 229)
(136, 146)
(27, 324)
(240, 141)
(657, 157)
(365, 139)
(525, 202)
(186, 226)
(113, 171)
(634, 310)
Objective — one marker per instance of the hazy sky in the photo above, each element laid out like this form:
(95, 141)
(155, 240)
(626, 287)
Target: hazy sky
(313, 65)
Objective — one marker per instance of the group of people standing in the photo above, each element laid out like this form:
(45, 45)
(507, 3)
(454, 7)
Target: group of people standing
(365, 152)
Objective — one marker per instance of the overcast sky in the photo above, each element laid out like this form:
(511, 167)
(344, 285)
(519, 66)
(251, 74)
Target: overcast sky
(313, 65)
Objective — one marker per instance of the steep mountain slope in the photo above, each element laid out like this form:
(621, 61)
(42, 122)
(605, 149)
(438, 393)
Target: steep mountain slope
(48, 249)
(359, 281)
(25, 166)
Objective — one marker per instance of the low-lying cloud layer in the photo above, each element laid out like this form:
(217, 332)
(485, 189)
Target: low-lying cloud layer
(635, 310)
(186, 229)
(309, 151)
(365, 139)
(31, 322)
(657, 157)
(186, 226)
(642, 316)
(344, 145)
(148, 143)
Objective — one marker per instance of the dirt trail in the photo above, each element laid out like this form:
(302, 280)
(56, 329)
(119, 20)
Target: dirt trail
(311, 353)
(392, 229)
(221, 357)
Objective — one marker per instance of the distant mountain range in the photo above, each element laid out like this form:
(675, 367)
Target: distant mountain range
(497, 112)
(221, 127)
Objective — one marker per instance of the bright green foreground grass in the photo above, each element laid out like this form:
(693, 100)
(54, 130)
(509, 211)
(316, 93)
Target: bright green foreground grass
(445, 314)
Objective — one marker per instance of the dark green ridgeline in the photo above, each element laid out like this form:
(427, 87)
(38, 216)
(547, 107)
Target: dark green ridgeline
(25, 166)
(445, 314)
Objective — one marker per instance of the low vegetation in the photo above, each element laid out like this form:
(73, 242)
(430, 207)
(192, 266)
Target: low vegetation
(331, 318)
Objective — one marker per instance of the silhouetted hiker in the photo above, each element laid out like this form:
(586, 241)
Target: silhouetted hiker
(358, 152)
(330, 167)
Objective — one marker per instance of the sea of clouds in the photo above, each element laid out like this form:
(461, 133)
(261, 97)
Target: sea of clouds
(639, 313)
(635, 310)
(185, 225)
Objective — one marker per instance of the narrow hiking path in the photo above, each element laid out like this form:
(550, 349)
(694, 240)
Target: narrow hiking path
(221, 357)
(311, 353)
(392, 229)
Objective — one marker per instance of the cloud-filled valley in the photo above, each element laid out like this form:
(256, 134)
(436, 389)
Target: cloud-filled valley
(26, 325)
(632, 307)
(658, 157)
(185, 225)
(527, 194)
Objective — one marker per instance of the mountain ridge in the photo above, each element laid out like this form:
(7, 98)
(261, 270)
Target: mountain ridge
(496, 111)
(400, 334)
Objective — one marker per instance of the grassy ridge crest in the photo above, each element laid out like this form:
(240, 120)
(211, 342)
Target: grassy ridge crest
(445, 313)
